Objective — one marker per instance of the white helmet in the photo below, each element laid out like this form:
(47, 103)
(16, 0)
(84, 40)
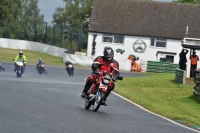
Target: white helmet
(20, 53)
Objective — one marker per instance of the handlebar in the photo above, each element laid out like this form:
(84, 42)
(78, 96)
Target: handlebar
(110, 74)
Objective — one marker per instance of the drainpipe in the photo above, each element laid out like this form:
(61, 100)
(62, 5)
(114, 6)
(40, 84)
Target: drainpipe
(188, 65)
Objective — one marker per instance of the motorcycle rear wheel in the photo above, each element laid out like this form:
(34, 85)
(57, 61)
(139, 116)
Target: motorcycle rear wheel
(87, 105)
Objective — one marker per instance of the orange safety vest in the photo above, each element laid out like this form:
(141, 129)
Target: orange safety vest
(194, 59)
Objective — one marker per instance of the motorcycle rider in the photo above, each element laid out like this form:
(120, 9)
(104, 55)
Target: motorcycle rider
(39, 62)
(20, 57)
(101, 63)
(67, 63)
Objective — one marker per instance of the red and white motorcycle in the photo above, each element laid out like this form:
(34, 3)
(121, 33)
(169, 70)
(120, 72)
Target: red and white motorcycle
(98, 90)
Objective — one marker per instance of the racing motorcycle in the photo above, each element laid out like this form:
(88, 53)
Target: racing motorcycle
(96, 93)
(70, 69)
(42, 69)
(19, 68)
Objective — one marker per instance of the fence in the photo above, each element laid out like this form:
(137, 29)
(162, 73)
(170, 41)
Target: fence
(161, 67)
(197, 86)
(48, 33)
(180, 76)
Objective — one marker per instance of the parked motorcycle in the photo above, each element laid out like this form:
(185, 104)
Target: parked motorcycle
(42, 69)
(70, 70)
(2, 69)
(98, 90)
(19, 68)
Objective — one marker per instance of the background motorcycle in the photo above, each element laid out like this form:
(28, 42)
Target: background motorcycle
(70, 70)
(19, 68)
(42, 69)
(98, 90)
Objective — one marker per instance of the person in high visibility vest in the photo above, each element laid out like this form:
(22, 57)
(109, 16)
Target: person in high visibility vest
(194, 59)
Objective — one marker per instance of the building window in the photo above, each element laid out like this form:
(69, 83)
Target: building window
(113, 38)
(107, 37)
(158, 42)
(167, 58)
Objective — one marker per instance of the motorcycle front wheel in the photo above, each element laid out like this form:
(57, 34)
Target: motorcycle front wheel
(98, 101)
(2, 69)
(45, 72)
(19, 73)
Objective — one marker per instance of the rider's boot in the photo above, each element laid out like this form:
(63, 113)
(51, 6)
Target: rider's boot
(15, 69)
(23, 69)
(106, 95)
(86, 88)
(104, 103)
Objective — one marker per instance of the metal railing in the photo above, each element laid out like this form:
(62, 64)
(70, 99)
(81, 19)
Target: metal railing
(57, 35)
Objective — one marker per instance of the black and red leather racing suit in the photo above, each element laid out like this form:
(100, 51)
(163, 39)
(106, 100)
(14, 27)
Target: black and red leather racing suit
(99, 65)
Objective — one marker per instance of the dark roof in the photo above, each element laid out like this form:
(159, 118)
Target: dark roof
(144, 18)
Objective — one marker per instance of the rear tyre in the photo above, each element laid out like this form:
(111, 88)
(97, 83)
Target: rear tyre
(87, 105)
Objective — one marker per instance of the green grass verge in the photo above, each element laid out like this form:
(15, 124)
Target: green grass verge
(7, 55)
(161, 95)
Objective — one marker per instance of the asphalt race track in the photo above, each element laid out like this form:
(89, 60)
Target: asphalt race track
(51, 104)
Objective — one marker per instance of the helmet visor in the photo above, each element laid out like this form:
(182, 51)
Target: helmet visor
(109, 58)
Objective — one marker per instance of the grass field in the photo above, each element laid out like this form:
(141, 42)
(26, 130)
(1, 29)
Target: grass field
(7, 55)
(161, 95)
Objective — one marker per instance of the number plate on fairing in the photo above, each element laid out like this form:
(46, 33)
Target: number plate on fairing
(103, 86)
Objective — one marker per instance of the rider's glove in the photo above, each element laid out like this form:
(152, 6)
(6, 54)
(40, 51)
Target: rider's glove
(94, 67)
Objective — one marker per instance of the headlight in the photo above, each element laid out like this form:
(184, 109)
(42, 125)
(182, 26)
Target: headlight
(106, 81)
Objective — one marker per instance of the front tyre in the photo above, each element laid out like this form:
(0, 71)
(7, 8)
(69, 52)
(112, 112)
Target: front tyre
(98, 101)
(45, 72)
(19, 72)
(2, 69)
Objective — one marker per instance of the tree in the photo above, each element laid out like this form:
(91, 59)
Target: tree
(20, 17)
(31, 21)
(75, 15)
(9, 10)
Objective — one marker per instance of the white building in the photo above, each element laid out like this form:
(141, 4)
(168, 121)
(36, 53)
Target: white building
(152, 31)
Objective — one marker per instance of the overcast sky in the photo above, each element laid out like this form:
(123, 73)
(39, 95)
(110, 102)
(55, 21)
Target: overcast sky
(47, 7)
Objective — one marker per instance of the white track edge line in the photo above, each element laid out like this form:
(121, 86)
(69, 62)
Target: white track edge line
(155, 113)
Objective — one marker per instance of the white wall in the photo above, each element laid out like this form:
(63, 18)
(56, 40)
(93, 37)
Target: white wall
(149, 55)
(33, 46)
